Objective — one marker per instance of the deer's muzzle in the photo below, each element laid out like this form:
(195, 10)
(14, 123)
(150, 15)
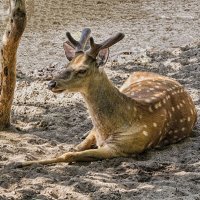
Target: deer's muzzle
(51, 85)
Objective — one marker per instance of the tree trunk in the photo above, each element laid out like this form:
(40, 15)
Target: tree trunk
(10, 43)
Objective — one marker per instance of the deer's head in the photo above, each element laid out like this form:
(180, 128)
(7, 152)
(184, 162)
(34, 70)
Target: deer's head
(84, 65)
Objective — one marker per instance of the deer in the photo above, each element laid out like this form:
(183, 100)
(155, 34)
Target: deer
(148, 111)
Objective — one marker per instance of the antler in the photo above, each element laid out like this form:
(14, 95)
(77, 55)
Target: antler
(80, 45)
(95, 48)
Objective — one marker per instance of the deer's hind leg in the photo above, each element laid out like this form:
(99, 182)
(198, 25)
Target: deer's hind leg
(104, 152)
(101, 153)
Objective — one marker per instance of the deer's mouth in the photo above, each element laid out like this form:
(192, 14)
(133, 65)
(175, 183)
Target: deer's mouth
(58, 91)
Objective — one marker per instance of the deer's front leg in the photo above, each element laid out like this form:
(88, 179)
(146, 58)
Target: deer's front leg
(104, 152)
(87, 155)
(87, 143)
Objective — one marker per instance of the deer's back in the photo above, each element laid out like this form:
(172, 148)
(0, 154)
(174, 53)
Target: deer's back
(154, 93)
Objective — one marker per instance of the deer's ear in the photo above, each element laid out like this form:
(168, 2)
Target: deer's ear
(69, 50)
(102, 57)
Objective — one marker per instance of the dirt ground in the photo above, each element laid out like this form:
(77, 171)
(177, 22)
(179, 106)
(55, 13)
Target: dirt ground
(162, 37)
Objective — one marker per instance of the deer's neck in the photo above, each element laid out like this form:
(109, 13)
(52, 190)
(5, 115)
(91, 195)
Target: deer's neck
(109, 108)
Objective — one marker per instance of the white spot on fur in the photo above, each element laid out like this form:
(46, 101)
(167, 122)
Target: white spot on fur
(150, 109)
(158, 105)
(145, 133)
(189, 119)
(153, 98)
(156, 95)
(164, 101)
(155, 124)
(147, 100)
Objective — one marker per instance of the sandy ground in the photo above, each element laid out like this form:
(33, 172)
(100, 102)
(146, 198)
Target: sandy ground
(161, 36)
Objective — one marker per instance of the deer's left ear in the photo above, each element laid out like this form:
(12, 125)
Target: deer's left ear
(102, 57)
(69, 50)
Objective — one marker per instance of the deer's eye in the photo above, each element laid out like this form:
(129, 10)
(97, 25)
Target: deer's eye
(82, 71)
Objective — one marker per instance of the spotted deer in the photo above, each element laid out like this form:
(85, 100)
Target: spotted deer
(149, 110)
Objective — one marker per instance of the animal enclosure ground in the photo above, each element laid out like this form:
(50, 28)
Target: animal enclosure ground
(160, 37)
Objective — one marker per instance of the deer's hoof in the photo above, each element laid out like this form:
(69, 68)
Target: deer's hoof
(14, 165)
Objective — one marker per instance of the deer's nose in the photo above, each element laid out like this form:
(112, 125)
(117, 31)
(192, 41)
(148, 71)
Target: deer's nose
(51, 85)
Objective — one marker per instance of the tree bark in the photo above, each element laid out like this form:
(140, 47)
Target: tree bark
(8, 55)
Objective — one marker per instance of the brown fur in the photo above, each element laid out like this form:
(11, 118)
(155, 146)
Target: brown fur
(148, 111)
